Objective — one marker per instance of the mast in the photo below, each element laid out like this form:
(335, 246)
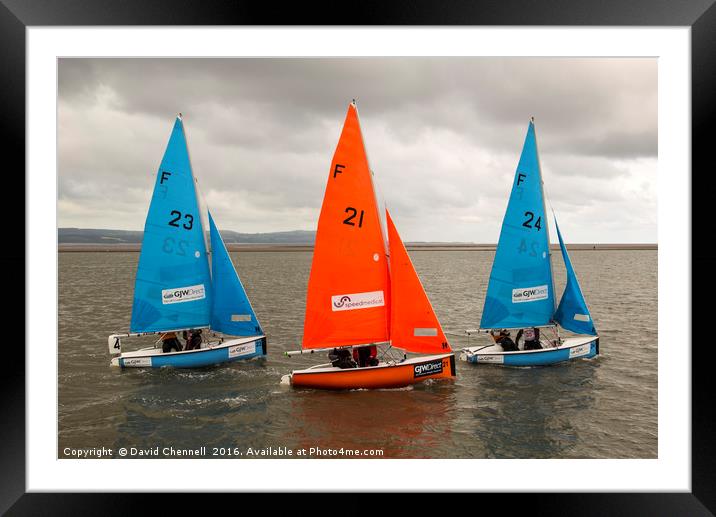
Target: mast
(380, 208)
(546, 222)
(197, 193)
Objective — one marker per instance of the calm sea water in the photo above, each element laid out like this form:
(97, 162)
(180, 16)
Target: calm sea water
(600, 408)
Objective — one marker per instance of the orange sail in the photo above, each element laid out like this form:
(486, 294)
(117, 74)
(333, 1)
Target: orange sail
(414, 325)
(349, 287)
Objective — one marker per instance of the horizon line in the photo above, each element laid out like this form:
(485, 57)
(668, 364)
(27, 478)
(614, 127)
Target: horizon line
(465, 243)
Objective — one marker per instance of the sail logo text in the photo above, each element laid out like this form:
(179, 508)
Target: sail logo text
(578, 351)
(137, 361)
(497, 358)
(431, 368)
(348, 302)
(183, 294)
(530, 294)
(238, 350)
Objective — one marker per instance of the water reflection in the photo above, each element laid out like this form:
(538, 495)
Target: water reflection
(214, 406)
(533, 412)
(411, 422)
(605, 408)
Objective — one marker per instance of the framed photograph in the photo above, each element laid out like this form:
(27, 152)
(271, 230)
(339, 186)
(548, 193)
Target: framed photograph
(477, 133)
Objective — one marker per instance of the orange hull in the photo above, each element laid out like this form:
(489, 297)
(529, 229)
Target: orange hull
(383, 376)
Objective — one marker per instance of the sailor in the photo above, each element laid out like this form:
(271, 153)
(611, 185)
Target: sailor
(373, 356)
(341, 358)
(503, 339)
(193, 340)
(531, 338)
(170, 342)
(366, 355)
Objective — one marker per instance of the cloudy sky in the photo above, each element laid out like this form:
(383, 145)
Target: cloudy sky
(443, 136)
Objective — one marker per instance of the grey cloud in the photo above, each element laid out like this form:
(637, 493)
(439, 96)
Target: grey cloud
(578, 103)
(443, 135)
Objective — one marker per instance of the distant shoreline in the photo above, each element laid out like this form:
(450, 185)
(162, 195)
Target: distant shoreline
(84, 247)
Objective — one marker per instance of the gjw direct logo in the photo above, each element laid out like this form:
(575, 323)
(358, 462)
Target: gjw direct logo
(183, 294)
(529, 294)
(347, 302)
(431, 368)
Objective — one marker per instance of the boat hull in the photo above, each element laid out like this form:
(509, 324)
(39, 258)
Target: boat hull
(583, 347)
(239, 349)
(383, 376)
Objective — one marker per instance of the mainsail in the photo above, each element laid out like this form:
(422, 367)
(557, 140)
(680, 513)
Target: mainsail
(520, 291)
(572, 312)
(173, 284)
(349, 287)
(231, 311)
(356, 293)
(414, 325)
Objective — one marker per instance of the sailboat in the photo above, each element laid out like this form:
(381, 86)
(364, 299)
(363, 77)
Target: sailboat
(363, 289)
(184, 281)
(520, 293)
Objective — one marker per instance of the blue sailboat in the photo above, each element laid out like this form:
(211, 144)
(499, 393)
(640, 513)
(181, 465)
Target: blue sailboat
(185, 283)
(520, 294)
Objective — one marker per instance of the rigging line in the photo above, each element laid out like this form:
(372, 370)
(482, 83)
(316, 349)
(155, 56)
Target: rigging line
(203, 208)
(481, 348)
(384, 352)
(380, 207)
(161, 337)
(555, 332)
(388, 353)
(549, 202)
(203, 218)
(455, 334)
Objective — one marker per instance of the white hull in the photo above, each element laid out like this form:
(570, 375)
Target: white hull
(570, 348)
(209, 353)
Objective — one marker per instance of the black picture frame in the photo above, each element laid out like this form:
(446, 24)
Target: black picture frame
(699, 15)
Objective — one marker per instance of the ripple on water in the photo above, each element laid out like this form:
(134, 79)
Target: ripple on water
(601, 408)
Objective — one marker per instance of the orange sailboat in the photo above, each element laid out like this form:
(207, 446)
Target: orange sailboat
(363, 292)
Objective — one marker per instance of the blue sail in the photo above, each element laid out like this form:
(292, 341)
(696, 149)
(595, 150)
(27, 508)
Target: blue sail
(231, 312)
(520, 292)
(572, 312)
(173, 284)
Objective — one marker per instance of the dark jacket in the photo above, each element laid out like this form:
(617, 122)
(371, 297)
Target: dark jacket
(193, 342)
(530, 345)
(341, 358)
(366, 355)
(505, 342)
(170, 342)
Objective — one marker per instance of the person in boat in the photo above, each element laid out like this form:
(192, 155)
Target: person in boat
(193, 339)
(170, 342)
(366, 356)
(341, 358)
(503, 339)
(531, 338)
